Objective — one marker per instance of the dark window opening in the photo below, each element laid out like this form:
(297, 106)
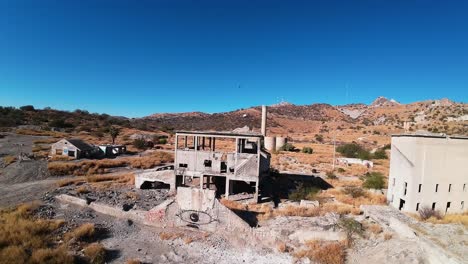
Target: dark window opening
(437, 187)
(402, 204)
(448, 206)
(183, 165)
(433, 206)
(420, 185)
(207, 163)
(223, 166)
(406, 186)
(464, 185)
(71, 153)
(155, 185)
(450, 187)
(462, 204)
(417, 207)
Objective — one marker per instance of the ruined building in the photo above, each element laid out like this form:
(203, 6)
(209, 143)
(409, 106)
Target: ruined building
(226, 162)
(430, 171)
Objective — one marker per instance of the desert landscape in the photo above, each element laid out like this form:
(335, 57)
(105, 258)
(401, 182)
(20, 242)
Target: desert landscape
(313, 208)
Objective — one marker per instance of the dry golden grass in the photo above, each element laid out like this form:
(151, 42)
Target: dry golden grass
(323, 252)
(40, 133)
(25, 239)
(96, 253)
(282, 247)
(60, 158)
(132, 195)
(170, 235)
(365, 199)
(66, 182)
(387, 235)
(374, 228)
(7, 160)
(81, 233)
(99, 166)
(45, 141)
(82, 189)
(39, 148)
(188, 240)
(133, 261)
(451, 219)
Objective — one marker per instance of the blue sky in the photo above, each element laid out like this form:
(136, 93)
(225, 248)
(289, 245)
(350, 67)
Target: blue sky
(134, 58)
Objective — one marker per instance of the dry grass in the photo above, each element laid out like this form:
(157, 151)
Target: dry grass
(322, 252)
(188, 240)
(45, 141)
(85, 232)
(40, 133)
(60, 158)
(96, 253)
(451, 219)
(282, 247)
(362, 198)
(99, 166)
(374, 228)
(132, 195)
(7, 160)
(66, 182)
(388, 236)
(170, 235)
(39, 148)
(133, 261)
(82, 189)
(25, 239)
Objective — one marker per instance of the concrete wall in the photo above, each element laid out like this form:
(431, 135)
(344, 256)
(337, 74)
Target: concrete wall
(65, 147)
(428, 162)
(270, 143)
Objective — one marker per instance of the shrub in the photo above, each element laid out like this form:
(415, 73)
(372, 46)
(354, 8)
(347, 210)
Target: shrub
(139, 143)
(380, 154)
(307, 150)
(319, 138)
(375, 180)
(354, 192)
(353, 150)
(96, 253)
(288, 147)
(350, 226)
(426, 213)
(162, 141)
(304, 192)
(9, 160)
(323, 253)
(331, 175)
(81, 233)
(341, 170)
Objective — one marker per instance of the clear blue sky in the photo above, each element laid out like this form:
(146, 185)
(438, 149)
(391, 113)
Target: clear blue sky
(134, 58)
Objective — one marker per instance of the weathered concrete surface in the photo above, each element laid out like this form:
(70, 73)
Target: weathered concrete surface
(410, 228)
(306, 235)
(155, 175)
(195, 199)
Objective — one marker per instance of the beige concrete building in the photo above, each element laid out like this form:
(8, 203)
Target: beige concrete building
(430, 171)
(74, 148)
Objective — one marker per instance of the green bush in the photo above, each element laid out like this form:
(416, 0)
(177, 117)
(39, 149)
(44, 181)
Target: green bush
(139, 143)
(374, 180)
(380, 154)
(288, 147)
(307, 150)
(162, 141)
(304, 192)
(353, 150)
(319, 138)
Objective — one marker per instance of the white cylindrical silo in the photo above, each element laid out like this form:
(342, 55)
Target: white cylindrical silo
(280, 142)
(270, 143)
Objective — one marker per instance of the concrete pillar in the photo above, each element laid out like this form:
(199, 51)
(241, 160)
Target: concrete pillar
(226, 195)
(264, 119)
(256, 192)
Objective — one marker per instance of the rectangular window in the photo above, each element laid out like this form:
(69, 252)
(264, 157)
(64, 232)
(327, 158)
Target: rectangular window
(417, 207)
(406, 185)
(450, 187)
(433, 206)
(419, 189)
(437, 187)
(462, 204)
(448, 206)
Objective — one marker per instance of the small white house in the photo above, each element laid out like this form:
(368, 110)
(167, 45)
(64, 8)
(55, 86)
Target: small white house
(75, 148)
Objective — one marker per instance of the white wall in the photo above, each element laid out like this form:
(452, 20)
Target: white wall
(429, 161)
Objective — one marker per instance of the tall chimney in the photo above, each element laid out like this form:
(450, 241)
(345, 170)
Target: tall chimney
(264, 120)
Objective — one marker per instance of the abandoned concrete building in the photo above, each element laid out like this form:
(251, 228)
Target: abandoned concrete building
(228, 162)
(112, 150)
(74, 148)
(428, 170)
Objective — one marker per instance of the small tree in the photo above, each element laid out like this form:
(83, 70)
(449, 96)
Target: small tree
(288, 147)
(307, 150)
(319, 138)
(114, 132)
(380, 154)
(139, 143)
(375, 180)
